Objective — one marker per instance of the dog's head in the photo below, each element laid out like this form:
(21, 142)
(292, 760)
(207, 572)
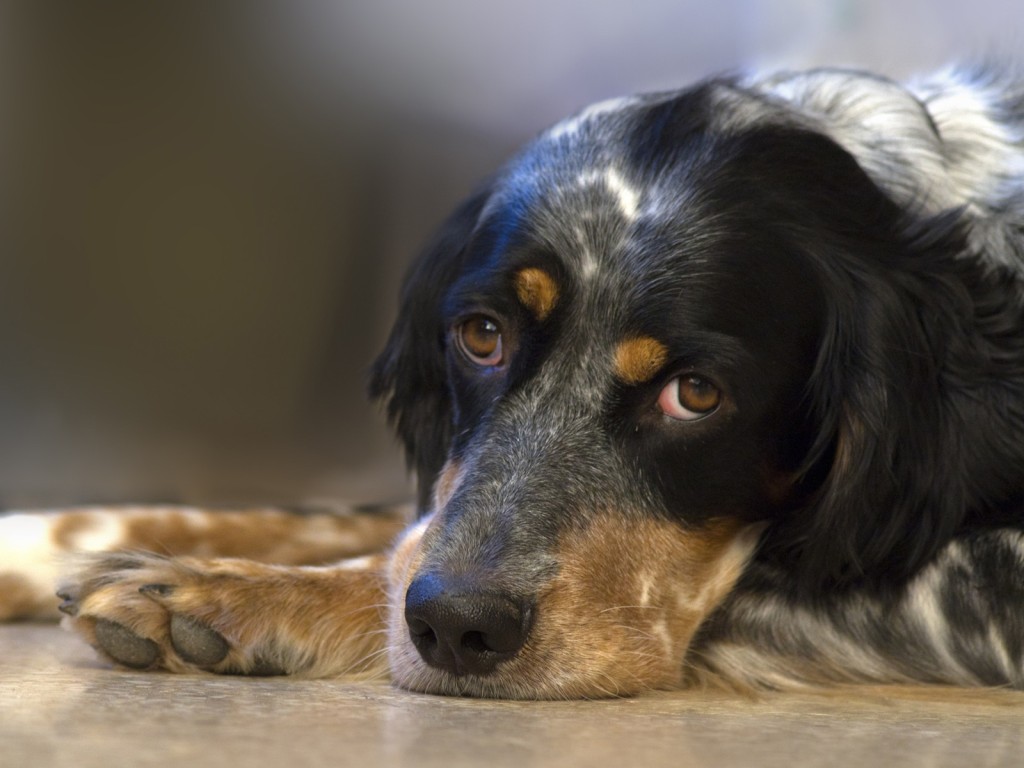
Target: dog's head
(670, 323)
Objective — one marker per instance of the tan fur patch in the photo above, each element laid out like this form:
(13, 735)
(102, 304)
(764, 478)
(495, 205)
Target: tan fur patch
(68, 526)
(638, 360)
(406, 557)
(264, 535)
(447, 482)
(616, 619)
(537, 291)
(779, 485)
(19, 597)
(626, 628)
(849, 444)
(269, 536)
(324, 622)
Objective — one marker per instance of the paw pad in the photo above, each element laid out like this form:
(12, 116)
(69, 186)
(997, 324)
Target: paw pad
(196, 643)
(124, 646)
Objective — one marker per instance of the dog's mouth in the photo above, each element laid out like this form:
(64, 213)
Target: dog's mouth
(615, 619)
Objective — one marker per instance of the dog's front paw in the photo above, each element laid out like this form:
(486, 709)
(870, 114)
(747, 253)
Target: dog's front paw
(146, 611)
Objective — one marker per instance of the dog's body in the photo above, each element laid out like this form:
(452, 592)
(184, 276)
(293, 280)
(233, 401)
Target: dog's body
(719, 384)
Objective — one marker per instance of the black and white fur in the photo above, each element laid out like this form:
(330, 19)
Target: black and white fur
(898, 555)
(949, 150)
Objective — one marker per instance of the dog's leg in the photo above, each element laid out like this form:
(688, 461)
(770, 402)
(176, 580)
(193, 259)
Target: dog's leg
(34, 546)
(231, 616)
(234, 616)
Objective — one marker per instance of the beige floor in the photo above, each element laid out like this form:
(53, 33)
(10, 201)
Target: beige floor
(59, 707)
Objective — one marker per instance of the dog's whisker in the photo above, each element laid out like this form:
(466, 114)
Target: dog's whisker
(632, 607)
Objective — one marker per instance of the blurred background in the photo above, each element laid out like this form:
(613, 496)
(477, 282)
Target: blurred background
(206, 207)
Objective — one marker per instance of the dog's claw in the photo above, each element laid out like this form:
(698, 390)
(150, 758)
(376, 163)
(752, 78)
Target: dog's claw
(68, 603)
(124, 646)
(156, 590)
(196, 643)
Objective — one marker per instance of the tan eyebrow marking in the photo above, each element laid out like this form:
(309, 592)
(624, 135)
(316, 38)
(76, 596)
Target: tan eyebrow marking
(537, 291)
(637, 360)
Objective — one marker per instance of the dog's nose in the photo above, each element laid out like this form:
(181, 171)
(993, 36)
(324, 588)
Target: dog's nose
(461, 630)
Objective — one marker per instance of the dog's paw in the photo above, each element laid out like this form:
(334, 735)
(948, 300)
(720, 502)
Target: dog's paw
(149, 612)
(227, 616)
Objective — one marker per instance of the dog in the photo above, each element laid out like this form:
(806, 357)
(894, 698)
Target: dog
(722, 385)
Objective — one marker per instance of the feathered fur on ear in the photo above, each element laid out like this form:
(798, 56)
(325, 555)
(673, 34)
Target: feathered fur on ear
(409, 375)
(914, 391)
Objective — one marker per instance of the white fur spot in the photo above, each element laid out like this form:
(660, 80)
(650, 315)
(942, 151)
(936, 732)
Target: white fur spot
(588, 263)
(106, 531)
(627, 196)
(659, 630)
(646, 583)
(572, 125)
(999, 650)
(27, 551)
(728, 568)
(357, 563)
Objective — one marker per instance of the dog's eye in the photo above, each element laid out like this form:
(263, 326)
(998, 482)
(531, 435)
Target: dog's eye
(689, 397)
(479, 339)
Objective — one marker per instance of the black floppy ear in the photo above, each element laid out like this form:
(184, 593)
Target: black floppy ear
(884, 434)
(911, 397)
(409, 375)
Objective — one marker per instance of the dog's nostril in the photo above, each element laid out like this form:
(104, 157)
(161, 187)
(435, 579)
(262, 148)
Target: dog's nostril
(421, 631)
(474, 641)
(462, 631)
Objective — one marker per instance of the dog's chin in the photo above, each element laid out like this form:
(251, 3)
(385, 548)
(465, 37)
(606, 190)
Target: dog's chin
(524, 679)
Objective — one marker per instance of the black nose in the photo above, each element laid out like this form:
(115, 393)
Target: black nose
(463, 630)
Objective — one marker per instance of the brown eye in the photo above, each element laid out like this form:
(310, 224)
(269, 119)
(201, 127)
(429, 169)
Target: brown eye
(688, 398)
(479, 339)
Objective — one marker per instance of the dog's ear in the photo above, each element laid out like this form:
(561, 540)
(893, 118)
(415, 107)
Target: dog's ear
(911, 394)
(409, 375)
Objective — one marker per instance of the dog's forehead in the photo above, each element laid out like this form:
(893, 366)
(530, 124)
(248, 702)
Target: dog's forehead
(581, 166)
(614, 195)
(630, 167)
(630, 212)
(574, 193)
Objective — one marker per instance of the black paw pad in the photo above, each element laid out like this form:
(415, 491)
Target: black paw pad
(124, 646)
(196, 643)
